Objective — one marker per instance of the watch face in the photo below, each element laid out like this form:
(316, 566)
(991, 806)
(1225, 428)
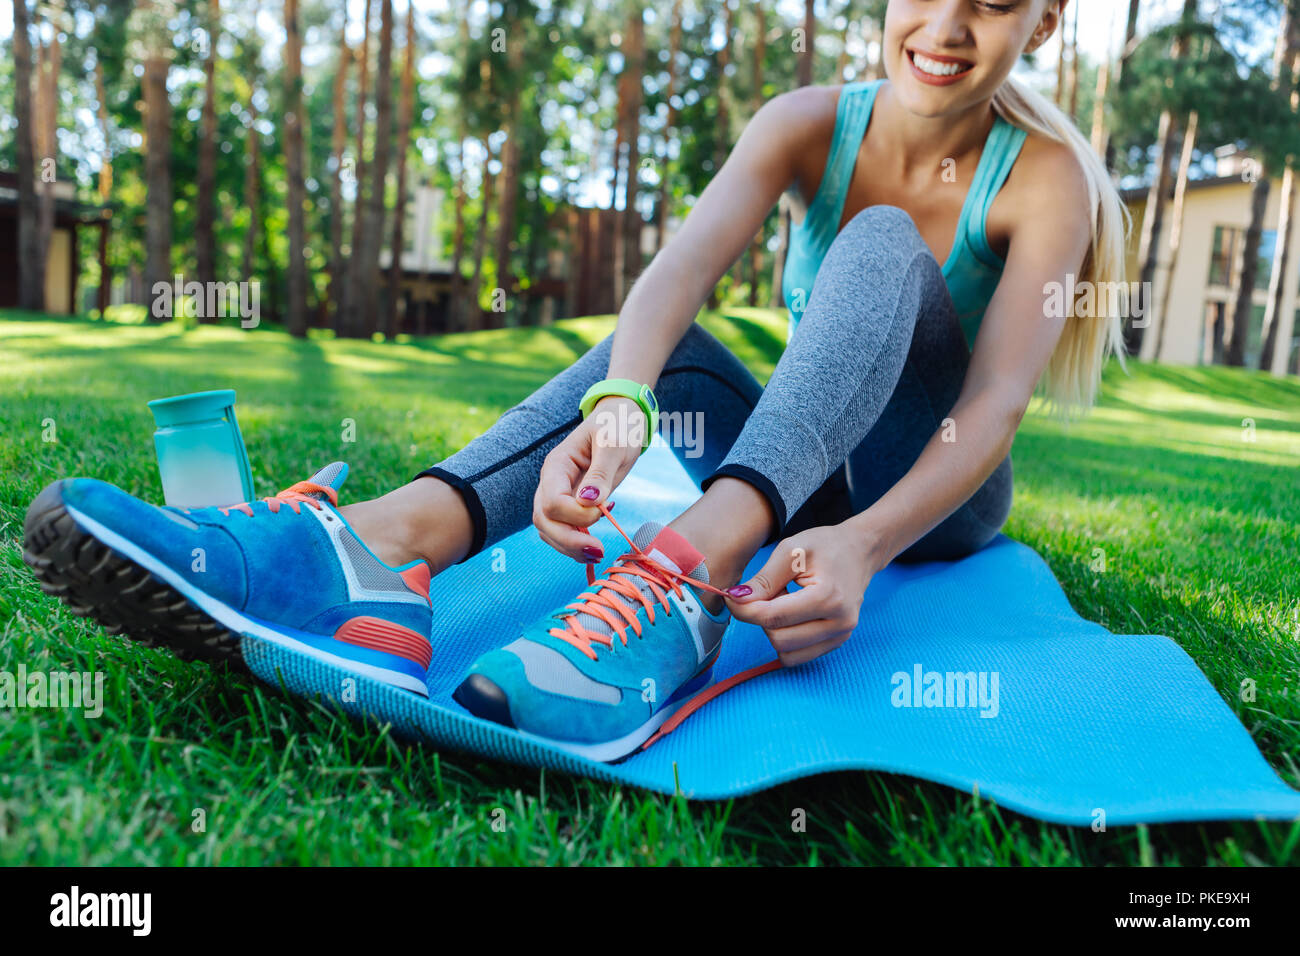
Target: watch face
(649, 397)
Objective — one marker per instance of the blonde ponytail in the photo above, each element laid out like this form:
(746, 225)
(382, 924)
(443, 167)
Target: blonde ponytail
(1073, 374)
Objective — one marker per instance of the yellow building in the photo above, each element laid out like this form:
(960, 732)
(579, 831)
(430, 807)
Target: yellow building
(67, 244)
(1216, 216)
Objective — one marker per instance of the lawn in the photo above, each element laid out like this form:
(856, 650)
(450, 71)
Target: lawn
(1173, 509)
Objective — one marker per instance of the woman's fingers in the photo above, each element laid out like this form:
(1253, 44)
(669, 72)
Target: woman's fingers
(769, 582)
(573, 544)
(558, 517)
(830, 640)
(787, 609)
(610, 448)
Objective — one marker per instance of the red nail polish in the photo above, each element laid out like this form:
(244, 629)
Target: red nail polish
(740, 591)
(593, 554)
(589, 493)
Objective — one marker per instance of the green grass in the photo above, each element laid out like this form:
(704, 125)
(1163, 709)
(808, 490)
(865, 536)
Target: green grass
(1198, 529)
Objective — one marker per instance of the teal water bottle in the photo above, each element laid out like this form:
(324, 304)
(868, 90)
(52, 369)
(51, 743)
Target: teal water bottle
(201, 456)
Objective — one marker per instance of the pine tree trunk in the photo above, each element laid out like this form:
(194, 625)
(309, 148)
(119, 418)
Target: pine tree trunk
(1122, 78)
(49, 63)
(616, 169)
(404, 119)
(1100, 133)
(1236, 345)
(842, 61)
(1276, 287)
(296, 318)
(1288, 66)
(722, 141)
(105, 185)
(1153, 215)
(158, 176)
(31, 266)
(805, 69)
(338, 144)
(368, 292)
(351, 321)
(1161, 317)
(674, 47)
(760, 51)
(1074, 65)
(634, 67)
(782, 250)
(1152, 224)
(509, 197)
(1060, 69)
(474, 312)
(205, 239)
(252, 189)
(456, 305)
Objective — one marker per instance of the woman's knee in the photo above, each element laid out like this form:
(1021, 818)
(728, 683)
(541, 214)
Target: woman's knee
(887, 229)
(879, 256)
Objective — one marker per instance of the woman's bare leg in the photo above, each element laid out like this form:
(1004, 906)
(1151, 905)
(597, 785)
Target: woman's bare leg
(425, 519)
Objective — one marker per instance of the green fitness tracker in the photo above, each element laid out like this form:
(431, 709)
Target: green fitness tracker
(643, 395)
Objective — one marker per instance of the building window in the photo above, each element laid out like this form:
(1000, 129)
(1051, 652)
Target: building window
(1225, 256)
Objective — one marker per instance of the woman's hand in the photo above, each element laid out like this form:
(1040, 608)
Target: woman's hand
(833, 567)
(582, 471)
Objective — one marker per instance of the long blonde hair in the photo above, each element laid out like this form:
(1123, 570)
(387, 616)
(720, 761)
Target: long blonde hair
(1073, 375)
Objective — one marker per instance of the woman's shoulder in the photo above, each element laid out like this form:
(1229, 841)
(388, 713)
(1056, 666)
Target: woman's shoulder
(805, 118)
(807, 107)
(1043, 159)
(1046, 179)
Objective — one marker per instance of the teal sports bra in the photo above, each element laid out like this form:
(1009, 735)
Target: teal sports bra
(973, 268)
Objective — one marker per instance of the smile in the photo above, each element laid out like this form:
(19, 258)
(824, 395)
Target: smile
(938, 70)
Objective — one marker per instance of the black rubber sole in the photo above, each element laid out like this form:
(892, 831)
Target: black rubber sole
(483, 698)
(95, 581)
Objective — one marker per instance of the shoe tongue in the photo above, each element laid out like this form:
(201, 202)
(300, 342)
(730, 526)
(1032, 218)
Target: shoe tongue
(669, 549)
(331, 476)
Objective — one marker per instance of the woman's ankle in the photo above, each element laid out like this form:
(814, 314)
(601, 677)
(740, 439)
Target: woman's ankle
(727, 525)
(425, 520)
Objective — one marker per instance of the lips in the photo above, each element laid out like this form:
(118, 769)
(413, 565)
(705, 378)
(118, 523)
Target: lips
(936, 69)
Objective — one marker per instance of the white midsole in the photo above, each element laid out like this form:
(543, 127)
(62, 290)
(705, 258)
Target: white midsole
(622, 746)
(228, 616)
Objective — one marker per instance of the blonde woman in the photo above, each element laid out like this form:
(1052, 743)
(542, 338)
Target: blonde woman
(933, 210)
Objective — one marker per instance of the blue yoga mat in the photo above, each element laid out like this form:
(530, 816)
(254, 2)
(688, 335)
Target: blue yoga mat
(1083, 721)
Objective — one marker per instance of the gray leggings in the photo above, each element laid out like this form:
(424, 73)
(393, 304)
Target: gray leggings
(874, 366)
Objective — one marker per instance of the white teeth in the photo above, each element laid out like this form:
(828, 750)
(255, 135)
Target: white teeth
(935, 68)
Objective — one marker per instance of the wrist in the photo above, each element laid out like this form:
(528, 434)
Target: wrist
(619, 422)
(870, 541)
(640, 425)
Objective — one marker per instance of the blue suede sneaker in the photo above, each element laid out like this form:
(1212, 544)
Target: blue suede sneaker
(600, 676)
(286, 569)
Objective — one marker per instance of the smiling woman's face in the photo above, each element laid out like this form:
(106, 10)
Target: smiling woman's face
(942, 56)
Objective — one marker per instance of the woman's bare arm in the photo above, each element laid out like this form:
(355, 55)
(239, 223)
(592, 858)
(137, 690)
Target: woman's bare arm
(1015, 341)
(667, 297)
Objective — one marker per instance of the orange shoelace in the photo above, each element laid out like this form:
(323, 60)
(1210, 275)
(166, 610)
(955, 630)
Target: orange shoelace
(599, 603)
(293, 496)
(661, 580)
